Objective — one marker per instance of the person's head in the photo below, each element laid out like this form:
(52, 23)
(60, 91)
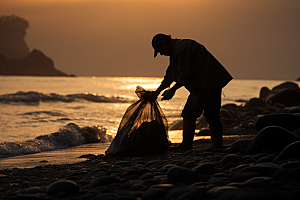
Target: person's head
(161, 43)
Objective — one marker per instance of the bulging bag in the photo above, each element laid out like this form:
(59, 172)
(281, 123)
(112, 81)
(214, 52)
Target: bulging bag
(143, 129)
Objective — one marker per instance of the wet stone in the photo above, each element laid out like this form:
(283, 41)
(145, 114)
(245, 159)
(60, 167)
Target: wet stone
(148, 164)
(219, 181)
(66, 186)
(199, 184)
(287, 175)
(150, 182)
(122, 163)
(257, 195)
(291, 151)
(205, 168)
(193, 193)
(160, 177)
(290, 165)
(154, 194)
(221, 189)
(162, 186)
(265, 159)
(189, 151)
(240, 146)
(133, 172)
(264, 169)
(104, 165)
(139, 166)
(104, 180)
(233, 158)
(26, 197)
(137, 159)
(242, 166)
(190, 164)
(146, 176)
(229, 165)
(259, 182)
(220, 174)
(105, 196)
(167, 167)
(259, 156)
(177, 192)
(33, 190)
(242, 176)
(182, 175)
(131, 177)
(215, 158)
(196, 152)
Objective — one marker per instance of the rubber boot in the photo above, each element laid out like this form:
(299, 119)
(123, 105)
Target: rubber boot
(188, 133)
(216, 134)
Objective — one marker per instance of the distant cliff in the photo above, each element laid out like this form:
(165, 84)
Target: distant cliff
(15, 57)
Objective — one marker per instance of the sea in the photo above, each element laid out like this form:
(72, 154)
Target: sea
(39, 115)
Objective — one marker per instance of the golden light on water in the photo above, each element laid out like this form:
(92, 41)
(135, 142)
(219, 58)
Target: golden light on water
(130, 83)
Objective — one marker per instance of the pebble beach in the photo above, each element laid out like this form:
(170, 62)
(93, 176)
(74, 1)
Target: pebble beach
(256, 163)
(195, 174)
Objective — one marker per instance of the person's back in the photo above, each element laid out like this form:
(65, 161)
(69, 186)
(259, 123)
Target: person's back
(195, 68)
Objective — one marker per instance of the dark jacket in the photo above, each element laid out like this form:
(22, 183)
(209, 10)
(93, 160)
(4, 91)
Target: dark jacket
(197, 69)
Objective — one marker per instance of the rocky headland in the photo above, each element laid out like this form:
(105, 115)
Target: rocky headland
(262, 161)
(15, 57)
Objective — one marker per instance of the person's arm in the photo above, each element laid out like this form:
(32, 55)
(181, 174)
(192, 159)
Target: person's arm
(153, 95)
(164, 84)
(168, 94)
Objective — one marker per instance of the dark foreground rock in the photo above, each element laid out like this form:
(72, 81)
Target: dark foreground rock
(195, 174)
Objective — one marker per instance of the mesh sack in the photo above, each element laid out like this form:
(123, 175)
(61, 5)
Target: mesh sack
(143, 129)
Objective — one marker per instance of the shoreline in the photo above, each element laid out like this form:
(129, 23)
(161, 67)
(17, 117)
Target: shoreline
(72, 155)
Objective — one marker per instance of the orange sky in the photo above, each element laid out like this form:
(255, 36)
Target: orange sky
(253, 39)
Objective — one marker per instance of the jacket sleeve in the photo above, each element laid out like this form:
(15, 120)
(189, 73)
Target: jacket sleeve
(168, 77)
(184, 65)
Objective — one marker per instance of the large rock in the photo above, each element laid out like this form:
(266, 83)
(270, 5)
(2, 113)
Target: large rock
(35, 64)
(287, 93)
(15, 58)
(287, 97)
(285, 85)
(289, 122)
(291, 151)
(272, 138)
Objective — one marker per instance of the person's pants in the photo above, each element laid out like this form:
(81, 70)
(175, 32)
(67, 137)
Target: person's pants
(211, 109)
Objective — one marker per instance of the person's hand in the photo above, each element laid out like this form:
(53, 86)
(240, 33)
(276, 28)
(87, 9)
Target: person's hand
(153, 95)
(168, 94)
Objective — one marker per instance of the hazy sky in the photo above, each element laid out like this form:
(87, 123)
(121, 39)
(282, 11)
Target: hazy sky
(253, 39)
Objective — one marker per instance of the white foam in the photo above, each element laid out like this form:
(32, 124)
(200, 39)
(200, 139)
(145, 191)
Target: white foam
(33, 96)
(67, 136)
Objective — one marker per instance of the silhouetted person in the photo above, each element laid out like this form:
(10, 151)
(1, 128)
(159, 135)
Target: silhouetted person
(195, 68)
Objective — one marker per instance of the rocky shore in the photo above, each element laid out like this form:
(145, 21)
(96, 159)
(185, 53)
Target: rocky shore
(174, 175)
(262, 161)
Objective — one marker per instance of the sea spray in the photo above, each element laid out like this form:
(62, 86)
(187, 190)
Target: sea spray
(67, 136)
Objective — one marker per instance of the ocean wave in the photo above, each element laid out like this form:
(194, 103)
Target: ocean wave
(33, 97)
(67, 136)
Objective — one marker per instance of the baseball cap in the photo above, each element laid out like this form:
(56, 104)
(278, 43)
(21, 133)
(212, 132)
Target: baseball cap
(157, 40)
